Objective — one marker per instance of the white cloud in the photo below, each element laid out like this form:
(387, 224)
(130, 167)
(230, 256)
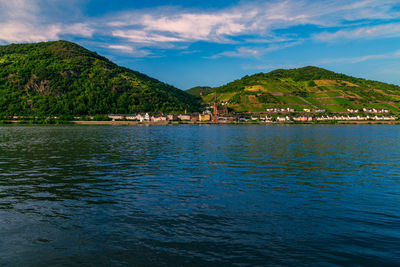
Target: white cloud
(140, 36)
(372, 9)
(353, 60)
(129, 50)
(248, 23)
(17, 9)
(254, 18)
(21, 32)
(123, 48)
(369, 32)
(28, 32)
(80, 29)
(188, 26)
(22, 21)
(195, 27)
(247, 52)
(240, 52)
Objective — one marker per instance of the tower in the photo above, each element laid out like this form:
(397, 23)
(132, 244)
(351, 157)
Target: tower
(215, 105)
(215, 113)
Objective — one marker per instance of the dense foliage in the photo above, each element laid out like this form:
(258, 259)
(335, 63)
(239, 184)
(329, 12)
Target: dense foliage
(62, 78)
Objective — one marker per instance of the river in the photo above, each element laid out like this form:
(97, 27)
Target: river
(192, 195)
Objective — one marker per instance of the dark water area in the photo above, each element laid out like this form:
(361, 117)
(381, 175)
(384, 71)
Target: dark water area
(200, 195)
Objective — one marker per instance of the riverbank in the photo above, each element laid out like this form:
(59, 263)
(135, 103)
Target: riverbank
(115, 123)
(368, 122)
(131, 123)
(224, 123)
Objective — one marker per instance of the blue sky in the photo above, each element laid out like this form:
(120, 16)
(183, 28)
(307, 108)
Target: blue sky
(188, 43)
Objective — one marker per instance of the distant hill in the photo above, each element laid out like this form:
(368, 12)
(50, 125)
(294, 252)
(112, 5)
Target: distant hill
(63, 78)
(304, 88)
(200, 90)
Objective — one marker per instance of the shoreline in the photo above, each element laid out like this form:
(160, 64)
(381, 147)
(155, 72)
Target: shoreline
(164, 123)
(229, 123)
(122, 123)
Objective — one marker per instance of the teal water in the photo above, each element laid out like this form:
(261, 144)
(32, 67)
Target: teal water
(200, 195)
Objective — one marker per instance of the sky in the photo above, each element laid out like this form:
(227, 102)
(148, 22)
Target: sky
(188, 43)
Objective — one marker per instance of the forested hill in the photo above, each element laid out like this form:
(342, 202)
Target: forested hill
(63, 78)
(303, 88)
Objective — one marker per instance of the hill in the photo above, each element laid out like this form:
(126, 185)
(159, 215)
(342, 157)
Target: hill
(63, 78)
(304, 88)
(200, 90)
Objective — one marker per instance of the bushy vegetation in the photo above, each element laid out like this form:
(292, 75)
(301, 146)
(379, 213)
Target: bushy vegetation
(62, 78)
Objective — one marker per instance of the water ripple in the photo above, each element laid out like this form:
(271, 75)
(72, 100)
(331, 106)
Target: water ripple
(196, 195)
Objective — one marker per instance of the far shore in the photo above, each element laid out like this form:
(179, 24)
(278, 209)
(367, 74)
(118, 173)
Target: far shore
(130, 123)
(224, 123)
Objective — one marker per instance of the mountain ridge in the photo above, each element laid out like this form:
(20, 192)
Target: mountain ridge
(63, 78)
(302, 88)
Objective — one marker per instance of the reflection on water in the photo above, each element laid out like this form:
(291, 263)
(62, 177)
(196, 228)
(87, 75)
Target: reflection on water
(195, 195)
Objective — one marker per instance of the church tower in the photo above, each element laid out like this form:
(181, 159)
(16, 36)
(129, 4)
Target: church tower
(215, 105)
(215, 113)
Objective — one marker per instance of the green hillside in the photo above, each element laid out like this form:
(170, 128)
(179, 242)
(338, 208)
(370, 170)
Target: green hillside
(305, 88)
(63, 78)
(200, 90)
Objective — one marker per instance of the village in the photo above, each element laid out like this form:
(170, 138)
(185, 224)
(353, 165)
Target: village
(221, 114)
(210, 118)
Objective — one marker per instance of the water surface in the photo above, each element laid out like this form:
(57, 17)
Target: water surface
(200, 195)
